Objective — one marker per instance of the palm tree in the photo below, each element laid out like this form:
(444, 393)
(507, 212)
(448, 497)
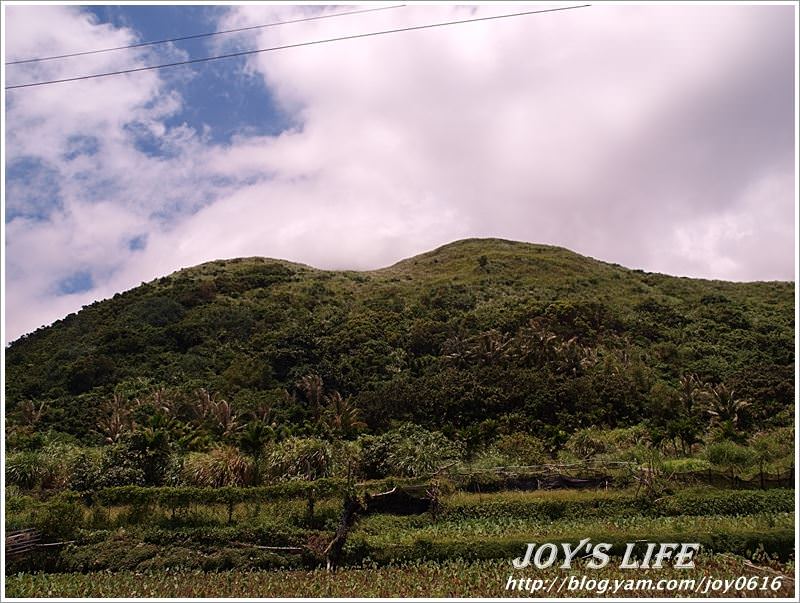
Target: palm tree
(218, 414)
(313, 389)
(30, 413)
(341, 416)
(252, 442)
(723, 405)
(689, 391)
(116, 419)
(536, 344)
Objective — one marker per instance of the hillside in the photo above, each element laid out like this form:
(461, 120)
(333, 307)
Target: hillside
(471, 338)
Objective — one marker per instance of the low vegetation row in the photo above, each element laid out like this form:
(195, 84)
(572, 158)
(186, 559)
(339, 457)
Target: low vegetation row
(147, 458)
(452, 578)
(118, 523)
(61, 515)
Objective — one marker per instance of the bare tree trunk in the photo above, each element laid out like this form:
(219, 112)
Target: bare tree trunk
(310, 505)
(333, 554)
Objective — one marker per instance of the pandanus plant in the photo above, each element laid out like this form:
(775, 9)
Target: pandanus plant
(723, 405)
(341, 416)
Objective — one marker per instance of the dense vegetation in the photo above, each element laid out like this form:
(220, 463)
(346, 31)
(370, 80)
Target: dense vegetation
(199, 421)
(477, 339)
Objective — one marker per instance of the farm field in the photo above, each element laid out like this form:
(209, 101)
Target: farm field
(276, 547)
(456, 578)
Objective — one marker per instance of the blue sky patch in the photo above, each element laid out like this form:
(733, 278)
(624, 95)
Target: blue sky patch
(81, 145)
(138, 242)
(146, 142)
(32, 189)
(218, 98)
(76, 282)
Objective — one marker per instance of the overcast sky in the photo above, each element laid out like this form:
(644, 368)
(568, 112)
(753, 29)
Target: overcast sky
(659, 137)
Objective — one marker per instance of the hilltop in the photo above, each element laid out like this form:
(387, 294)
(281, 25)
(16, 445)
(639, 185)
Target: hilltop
(445, 339)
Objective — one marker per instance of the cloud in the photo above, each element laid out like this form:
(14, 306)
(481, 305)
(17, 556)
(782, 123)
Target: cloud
(658, 137)
(81, 181)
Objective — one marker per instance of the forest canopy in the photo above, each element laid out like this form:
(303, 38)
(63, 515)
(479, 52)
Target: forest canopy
(478, 340)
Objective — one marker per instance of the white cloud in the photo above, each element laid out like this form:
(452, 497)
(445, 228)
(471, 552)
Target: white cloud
(652, 136)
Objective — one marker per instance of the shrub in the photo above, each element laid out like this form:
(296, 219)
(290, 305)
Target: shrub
(409, 451)
(86, 470)
(223, 466)
(773, 450)
(686, 465)
(48, 468)
(300, 458)
(726, 502)
(347, 459)
(730, 457)
(587, 443)
(59, 518)
(119, 466)
(24, 469)
(551, 507)
(521, 449)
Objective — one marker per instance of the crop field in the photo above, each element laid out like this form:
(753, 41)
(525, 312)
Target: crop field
(275, 548)
(455, 578)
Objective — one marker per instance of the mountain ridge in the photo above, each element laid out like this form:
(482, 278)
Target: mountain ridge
(249, 328)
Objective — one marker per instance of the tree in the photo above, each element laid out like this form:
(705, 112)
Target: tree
(770, 446)
(722, 404)
(341, 416)
(116, 419)
(313, 389)
(687, 429)
(252, 441)
(151, 447)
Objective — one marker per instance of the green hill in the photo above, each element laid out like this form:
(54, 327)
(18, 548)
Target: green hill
(477, 336)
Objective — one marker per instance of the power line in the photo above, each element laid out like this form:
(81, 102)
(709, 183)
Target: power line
(286, 46)
(200, 35)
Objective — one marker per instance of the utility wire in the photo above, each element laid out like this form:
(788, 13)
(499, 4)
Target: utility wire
(200, 35)
(297, 45)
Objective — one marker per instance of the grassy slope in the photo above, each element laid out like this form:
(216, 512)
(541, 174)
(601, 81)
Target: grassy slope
(256, 324)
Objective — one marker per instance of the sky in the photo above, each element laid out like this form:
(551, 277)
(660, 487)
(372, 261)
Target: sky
(658, 137)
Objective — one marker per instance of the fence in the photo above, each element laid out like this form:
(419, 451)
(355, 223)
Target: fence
(20, 542)
(602, 474)
(726, 480)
